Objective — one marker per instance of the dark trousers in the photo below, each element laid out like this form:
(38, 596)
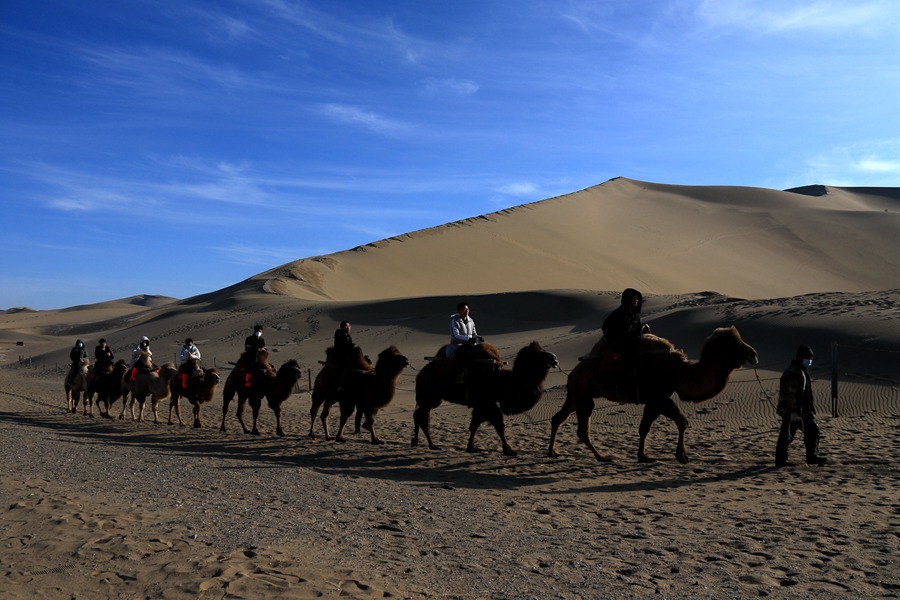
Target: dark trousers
(789, 430)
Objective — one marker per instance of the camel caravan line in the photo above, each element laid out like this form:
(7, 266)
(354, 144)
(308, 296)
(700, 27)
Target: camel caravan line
(483, 382)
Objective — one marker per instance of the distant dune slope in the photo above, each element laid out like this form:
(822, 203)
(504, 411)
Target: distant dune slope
(663, 239)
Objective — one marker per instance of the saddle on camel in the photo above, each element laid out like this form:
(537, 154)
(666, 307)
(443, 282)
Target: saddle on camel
(144, 364)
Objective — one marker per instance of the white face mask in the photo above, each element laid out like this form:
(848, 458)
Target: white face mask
(807, 362)
(257, 333)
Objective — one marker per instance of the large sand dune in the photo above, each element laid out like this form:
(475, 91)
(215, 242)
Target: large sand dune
(120, 509)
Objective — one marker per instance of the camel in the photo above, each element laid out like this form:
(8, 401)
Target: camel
(198, 387)
(266, 382)
(489, 389)
(77, 387)
(107, 384)
(663, 370)
(368, 391)
(154, 383)
(325, 387)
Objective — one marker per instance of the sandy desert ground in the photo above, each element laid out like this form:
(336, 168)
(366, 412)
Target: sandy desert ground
(93, 507)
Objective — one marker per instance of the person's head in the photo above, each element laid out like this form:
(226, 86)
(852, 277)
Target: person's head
(462, 309)
(102, 343)
(145, 342)
(632, 299)
(804, 355)
(189, 342)
(345, 326)
(257, 330)
(79, 344)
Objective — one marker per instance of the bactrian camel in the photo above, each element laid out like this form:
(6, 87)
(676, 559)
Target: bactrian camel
(662, 371)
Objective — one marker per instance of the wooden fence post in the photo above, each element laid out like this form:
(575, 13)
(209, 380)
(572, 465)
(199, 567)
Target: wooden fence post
(834, 378)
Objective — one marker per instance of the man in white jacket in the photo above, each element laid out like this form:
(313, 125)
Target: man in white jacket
(188, 351)
(462, 329)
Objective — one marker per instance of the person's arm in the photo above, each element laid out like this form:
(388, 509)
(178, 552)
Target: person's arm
(196, 352)
(458, 332)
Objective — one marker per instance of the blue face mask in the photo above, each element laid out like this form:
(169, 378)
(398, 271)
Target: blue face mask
(806, 362)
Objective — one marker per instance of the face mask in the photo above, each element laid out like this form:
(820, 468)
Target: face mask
(257, 333)
(807, 362)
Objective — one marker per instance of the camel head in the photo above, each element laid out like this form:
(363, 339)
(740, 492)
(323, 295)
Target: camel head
(291, 369)
(726, 346)
(391, 360)
(84, 365)
(211, 376)
(534, 358)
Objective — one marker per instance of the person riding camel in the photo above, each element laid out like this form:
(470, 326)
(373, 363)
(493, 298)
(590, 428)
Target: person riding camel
(103, 358)
(253, 345)
(76, 355)
(138, 354)
(622, 331)
(463, 338)
(189, 357)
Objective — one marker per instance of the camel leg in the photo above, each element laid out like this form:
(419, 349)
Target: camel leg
(175, 403)
(313, 411)
(422, 420)
(670, 409)
(240, 413)
(651, 413)
(326, 411)
(197, 423)
(154, 404)
(69, 407)
(495, 418)
(276, 408)
(558, 419)
(226, 400)
(255, 405)
(584, 413)
(141, 405)
(478, 417)
(347, 409)
(370, 425)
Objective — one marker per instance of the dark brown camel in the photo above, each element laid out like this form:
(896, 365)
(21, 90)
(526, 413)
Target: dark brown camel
(325, 387)
(197, 385)
(489, 389)
(77, 387)
(107, 385)
(368, 391)
(663, 370)
(265, 381)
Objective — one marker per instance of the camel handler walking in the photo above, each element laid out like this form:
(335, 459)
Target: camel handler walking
(797, 410)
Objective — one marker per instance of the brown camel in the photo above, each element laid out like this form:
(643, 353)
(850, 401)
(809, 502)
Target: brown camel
(77, 387)
(265, 381)
(489, 389)
(663, 370)
(154, 383)
(325, 387)
(368, 391)
(197, 385)
(107, 385)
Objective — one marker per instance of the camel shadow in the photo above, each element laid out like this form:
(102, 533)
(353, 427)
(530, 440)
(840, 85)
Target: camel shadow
(244, 452)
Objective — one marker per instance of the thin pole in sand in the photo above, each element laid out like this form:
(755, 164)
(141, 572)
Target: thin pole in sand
(834, 378)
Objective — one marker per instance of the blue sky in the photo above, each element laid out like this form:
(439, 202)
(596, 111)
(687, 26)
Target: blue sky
(177, 147)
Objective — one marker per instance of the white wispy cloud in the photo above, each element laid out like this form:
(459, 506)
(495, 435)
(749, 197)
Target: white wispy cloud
(808, 15)
(449, 85)
(865, 164)
(353, 115)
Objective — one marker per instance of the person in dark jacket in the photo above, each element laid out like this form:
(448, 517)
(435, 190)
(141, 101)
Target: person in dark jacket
(622, 329)
(797, 410)
(76, 355)
(253, 344)
(343, 341)
(103, 355)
